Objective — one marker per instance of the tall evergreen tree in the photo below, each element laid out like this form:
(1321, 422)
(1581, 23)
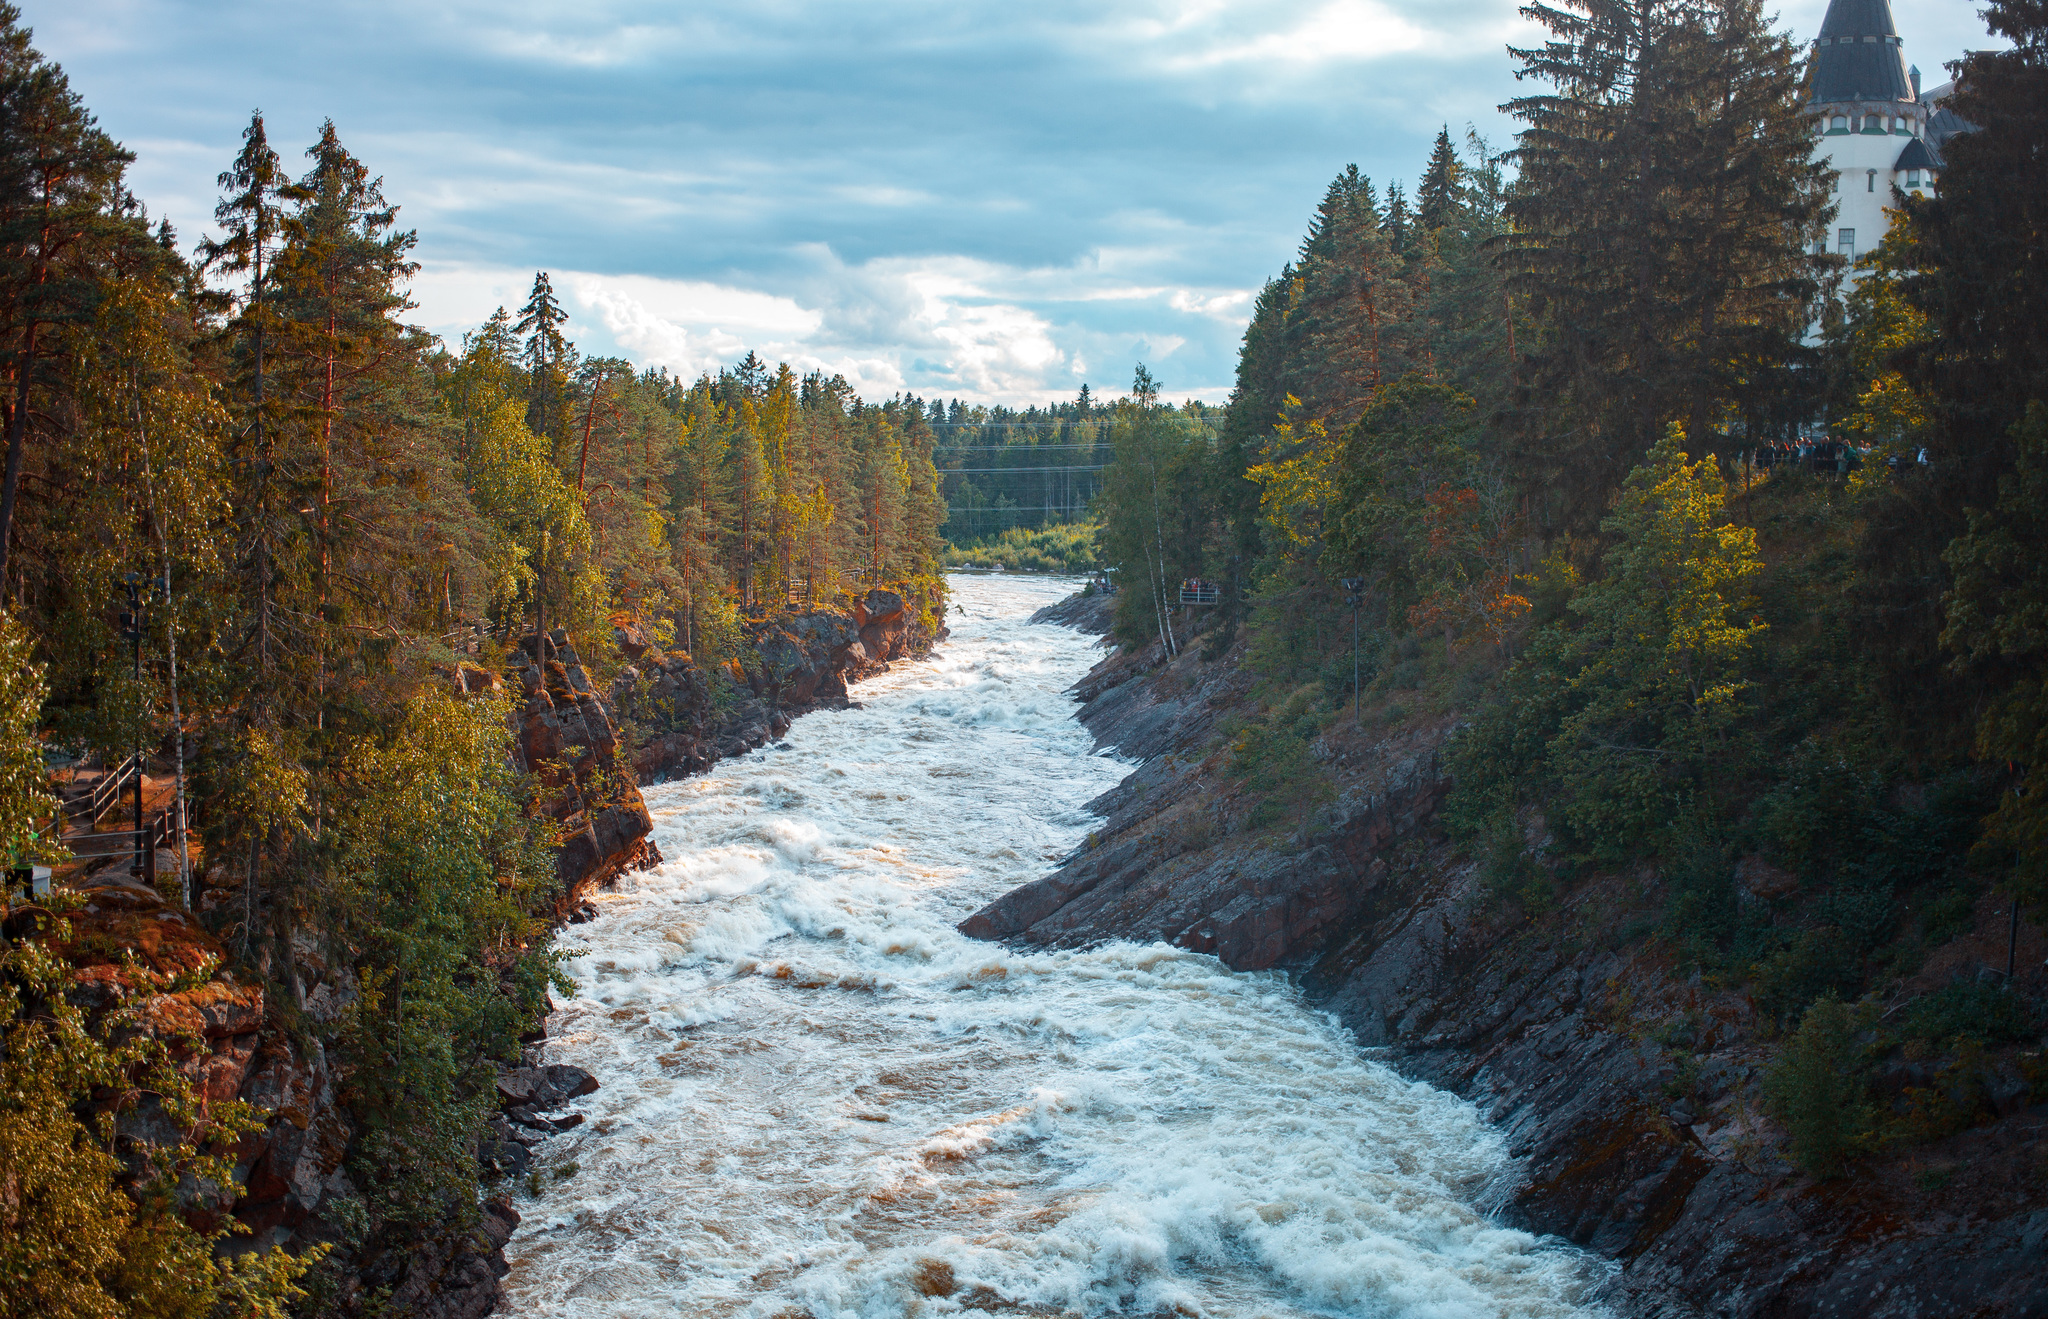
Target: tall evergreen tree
(1437, 197)
(546, 356)
(1979, 250)
(1345, 324)
(252, 216)
(1397, 220)
(1660, 228)
(60, 197)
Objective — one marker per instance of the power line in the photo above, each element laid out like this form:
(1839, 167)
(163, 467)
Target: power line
(970, 471)
(1014, 508)
(1009, 448)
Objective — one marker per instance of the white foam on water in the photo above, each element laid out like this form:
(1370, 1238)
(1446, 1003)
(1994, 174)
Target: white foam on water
(819, 1099)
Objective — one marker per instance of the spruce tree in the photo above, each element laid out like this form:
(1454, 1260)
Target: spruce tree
(1437, 196)
(1396, 219)
(1346, 325)
(252, 216)
(1661, 227)
(546, 357)
(1982, 284)
(1982, 259)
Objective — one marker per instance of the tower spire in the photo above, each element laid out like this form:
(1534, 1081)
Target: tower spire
(1859, 56)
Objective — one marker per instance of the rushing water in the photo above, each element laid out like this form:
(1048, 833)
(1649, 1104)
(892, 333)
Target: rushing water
(819, 1099)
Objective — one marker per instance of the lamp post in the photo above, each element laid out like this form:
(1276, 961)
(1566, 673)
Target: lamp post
(1352, 587)
(131, 630)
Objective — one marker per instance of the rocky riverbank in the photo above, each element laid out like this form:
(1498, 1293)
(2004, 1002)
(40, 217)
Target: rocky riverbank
(680, 716)
(233, 1038)
(1630, 1092)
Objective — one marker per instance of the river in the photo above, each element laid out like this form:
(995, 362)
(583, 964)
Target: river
(820, 1100)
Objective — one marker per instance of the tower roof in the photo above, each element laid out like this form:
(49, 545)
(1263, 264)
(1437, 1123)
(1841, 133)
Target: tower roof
(1859, 56)
(1918, 155)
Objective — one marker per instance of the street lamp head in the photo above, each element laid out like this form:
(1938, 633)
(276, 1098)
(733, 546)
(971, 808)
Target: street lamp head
(1351, 584)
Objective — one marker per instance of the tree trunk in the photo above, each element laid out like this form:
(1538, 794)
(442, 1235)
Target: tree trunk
(17, 443)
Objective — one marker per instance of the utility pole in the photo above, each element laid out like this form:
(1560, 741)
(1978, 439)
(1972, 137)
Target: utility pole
(131, 630)
(2012, 942)
(1352, 588)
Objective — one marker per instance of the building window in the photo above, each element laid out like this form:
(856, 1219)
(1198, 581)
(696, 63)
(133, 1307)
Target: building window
(1912, 178)
(1840, 123)
(1845, 242)
(1870, 181)
(1873, 124)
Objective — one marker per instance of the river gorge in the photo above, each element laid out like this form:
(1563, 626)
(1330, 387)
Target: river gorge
(820, 1099)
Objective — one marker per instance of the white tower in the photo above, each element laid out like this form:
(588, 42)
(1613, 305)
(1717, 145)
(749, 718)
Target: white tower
(1869, 122)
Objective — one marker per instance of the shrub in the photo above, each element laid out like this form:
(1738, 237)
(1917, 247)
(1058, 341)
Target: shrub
(73, 1243)
(1818, 1088)
(1271, 756)
(1982, 1013)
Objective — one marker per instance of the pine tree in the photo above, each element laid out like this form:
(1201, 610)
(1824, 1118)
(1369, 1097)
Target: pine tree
(60, 197)
(337, 278)
(546, 357)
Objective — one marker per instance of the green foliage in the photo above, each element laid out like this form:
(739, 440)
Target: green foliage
(1818, 1087)
(77, 1244)
(1506, 868)
(1987, 1014)
(1270, 755)
(1998, 626)
(1065, 548)
(1156, 522)
(1617, 719)
(1661, 229)
(27, 808)
(434, 865)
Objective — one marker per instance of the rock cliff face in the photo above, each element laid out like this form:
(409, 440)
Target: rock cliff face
(682, 718)
(1629, 1093)
(293, 1185)
(564, 736)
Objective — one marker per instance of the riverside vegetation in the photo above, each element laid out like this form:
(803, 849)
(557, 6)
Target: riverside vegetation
(1775, 736)
(1769, 738)
(340, 530)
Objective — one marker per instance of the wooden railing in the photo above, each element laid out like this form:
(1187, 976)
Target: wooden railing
(105, 792)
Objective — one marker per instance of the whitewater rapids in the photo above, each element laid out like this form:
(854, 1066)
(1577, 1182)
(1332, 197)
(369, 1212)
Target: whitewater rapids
(821, 1100)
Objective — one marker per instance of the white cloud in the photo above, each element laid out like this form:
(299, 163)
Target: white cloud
(948, 326)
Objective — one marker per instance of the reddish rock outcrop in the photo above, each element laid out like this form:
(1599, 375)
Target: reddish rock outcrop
(229, 1044)
(680, 718)
(564, 736)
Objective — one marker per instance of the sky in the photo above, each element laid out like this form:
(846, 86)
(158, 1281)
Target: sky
(978, 199)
